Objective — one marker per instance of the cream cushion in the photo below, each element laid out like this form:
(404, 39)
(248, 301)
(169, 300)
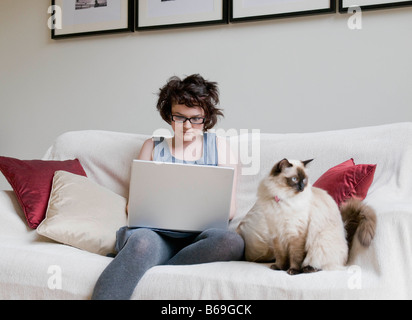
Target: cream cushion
(83, 214)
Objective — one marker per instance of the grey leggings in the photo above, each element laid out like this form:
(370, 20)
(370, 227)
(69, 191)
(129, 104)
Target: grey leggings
(146, 248)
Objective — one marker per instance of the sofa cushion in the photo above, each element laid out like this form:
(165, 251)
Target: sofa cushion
(347, 180)
(31, 181)
(83, 214)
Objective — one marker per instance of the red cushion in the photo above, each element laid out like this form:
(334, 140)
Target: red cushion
(31, 181)
(347, 180)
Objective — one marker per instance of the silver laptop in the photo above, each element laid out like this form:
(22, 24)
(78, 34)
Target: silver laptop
(179, 197)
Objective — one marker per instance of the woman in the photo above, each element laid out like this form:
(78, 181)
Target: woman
(189, 106)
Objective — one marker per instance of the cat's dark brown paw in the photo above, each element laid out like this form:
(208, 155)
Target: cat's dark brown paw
(275, 267)
(310, 269)
(293, 272)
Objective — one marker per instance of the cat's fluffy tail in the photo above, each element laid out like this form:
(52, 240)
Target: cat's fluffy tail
(360, 217)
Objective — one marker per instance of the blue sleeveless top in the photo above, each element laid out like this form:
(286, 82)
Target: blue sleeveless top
(209, 157)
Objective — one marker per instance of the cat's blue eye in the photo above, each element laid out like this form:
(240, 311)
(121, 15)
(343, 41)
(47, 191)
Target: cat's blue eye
(294, 179)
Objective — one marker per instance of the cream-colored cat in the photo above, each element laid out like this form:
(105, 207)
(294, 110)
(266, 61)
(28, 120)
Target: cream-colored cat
(300, 226)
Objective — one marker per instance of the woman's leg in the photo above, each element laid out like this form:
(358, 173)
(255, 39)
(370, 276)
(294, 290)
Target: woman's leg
(143, 250)
(210, 246)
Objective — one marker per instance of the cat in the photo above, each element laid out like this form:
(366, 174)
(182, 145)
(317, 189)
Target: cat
(300, 227)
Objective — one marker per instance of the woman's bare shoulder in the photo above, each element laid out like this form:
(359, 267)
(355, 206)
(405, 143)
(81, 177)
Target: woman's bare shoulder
(146, 152)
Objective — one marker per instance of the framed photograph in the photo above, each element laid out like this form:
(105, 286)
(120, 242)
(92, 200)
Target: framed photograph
(155, 14)
(248, 10)
(72, 18)
(344, 5)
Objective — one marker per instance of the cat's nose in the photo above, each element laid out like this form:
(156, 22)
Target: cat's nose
(301, 186)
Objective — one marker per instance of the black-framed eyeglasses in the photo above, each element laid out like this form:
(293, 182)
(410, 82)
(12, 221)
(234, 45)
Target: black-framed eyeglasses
(194, 120)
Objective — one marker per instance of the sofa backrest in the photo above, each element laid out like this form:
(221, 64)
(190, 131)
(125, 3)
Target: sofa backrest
(107, 156)
(387, 146)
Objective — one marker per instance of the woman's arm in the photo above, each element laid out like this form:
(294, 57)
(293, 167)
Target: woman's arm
(146, 152)
(226, 158)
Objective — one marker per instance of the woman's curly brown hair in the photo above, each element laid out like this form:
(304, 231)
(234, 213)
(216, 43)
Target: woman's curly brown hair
(193, 91)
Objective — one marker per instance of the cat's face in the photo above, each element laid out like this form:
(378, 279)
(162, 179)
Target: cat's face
(291, 174)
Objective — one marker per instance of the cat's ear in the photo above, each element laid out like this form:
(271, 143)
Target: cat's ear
(278, 167)
(307, 161)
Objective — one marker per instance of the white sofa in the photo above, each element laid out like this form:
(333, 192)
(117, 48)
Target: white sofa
(29, 261)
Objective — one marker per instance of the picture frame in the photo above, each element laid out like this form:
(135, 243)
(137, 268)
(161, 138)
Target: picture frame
(253, 10)
(344, 5)
(75, 18)
(162, 14)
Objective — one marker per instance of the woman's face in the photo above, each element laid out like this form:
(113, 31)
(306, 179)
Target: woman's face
(186, 129)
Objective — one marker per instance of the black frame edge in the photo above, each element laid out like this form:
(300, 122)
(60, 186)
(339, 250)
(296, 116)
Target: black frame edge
(376, 6)
(130, 26)
(331, 9)
(224, 20)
